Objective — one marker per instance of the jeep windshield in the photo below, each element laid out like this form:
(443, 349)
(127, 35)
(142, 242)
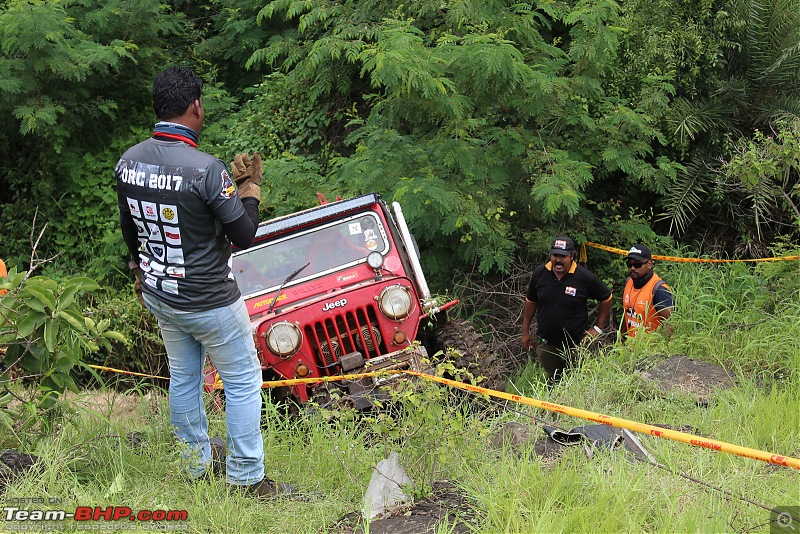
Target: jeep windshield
(328, 248)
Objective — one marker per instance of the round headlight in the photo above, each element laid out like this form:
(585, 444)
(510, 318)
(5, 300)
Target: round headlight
(283, 339)
(375, 260)
(395, 302)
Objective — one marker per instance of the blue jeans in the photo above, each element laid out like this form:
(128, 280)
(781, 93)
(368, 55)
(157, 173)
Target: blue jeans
(226, 335)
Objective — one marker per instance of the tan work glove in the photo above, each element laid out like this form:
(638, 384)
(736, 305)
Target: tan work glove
(137, 285)
(247, 174)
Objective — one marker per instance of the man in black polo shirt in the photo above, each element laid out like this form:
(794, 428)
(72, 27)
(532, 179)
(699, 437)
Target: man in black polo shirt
(557, 296)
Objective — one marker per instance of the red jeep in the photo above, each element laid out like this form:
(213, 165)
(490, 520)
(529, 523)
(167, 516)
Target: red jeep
(339, 289)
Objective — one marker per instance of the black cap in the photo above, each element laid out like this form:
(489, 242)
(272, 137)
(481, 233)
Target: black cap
(563, 246)
(639, 253)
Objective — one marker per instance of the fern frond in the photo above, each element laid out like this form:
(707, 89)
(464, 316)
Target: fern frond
(685, 199)
(689, 119)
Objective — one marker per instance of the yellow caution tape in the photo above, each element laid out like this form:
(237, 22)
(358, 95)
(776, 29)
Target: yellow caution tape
(297, 381)
(708, 443)
(272, 384)
(102, 368)
(622, 252)
(690, 439)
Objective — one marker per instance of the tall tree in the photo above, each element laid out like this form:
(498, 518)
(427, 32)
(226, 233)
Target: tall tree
(74, 76)
(488, 119)
(753, 89)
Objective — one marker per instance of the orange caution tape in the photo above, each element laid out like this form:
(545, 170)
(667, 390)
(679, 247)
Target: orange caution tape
(677, 259)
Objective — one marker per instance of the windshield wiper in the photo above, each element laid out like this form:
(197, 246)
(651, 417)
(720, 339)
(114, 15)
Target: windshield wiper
(288, 279)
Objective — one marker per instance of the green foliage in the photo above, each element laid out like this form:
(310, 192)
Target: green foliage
(748, 89)
(610, 223)
(142, 352)
(753, 191)
(681, 41)
(558, 182)
(689, 192)
(594, 36)
(231, 33)
(74, 75)
(64, 63)
(783, 277)
(83, 200)
(46, 336)
(276, 121)
(766, 169)
(89, 234)
(41, 45)
(494, 123)
(295, 138)
(468, 109)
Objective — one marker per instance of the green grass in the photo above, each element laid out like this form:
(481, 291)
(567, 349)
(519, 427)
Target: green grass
(439, 435)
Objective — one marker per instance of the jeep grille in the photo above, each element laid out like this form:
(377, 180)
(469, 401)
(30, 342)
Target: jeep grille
(351, 331)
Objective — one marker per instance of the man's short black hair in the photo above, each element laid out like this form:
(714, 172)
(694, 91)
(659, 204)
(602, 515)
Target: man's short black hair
(174, 89)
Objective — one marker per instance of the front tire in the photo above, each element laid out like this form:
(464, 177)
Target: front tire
(465, 349)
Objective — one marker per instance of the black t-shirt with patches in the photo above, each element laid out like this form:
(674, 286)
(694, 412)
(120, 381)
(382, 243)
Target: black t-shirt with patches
(562, 315)
(178, 197)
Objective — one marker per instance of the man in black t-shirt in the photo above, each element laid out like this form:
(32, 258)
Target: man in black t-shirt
(557, 296)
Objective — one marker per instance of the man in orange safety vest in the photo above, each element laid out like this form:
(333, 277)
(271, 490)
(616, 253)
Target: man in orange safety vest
(647, 300)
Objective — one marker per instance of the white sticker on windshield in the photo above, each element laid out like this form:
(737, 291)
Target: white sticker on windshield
(355, 228)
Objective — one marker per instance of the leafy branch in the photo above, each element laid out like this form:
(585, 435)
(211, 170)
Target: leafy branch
(44, 336)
